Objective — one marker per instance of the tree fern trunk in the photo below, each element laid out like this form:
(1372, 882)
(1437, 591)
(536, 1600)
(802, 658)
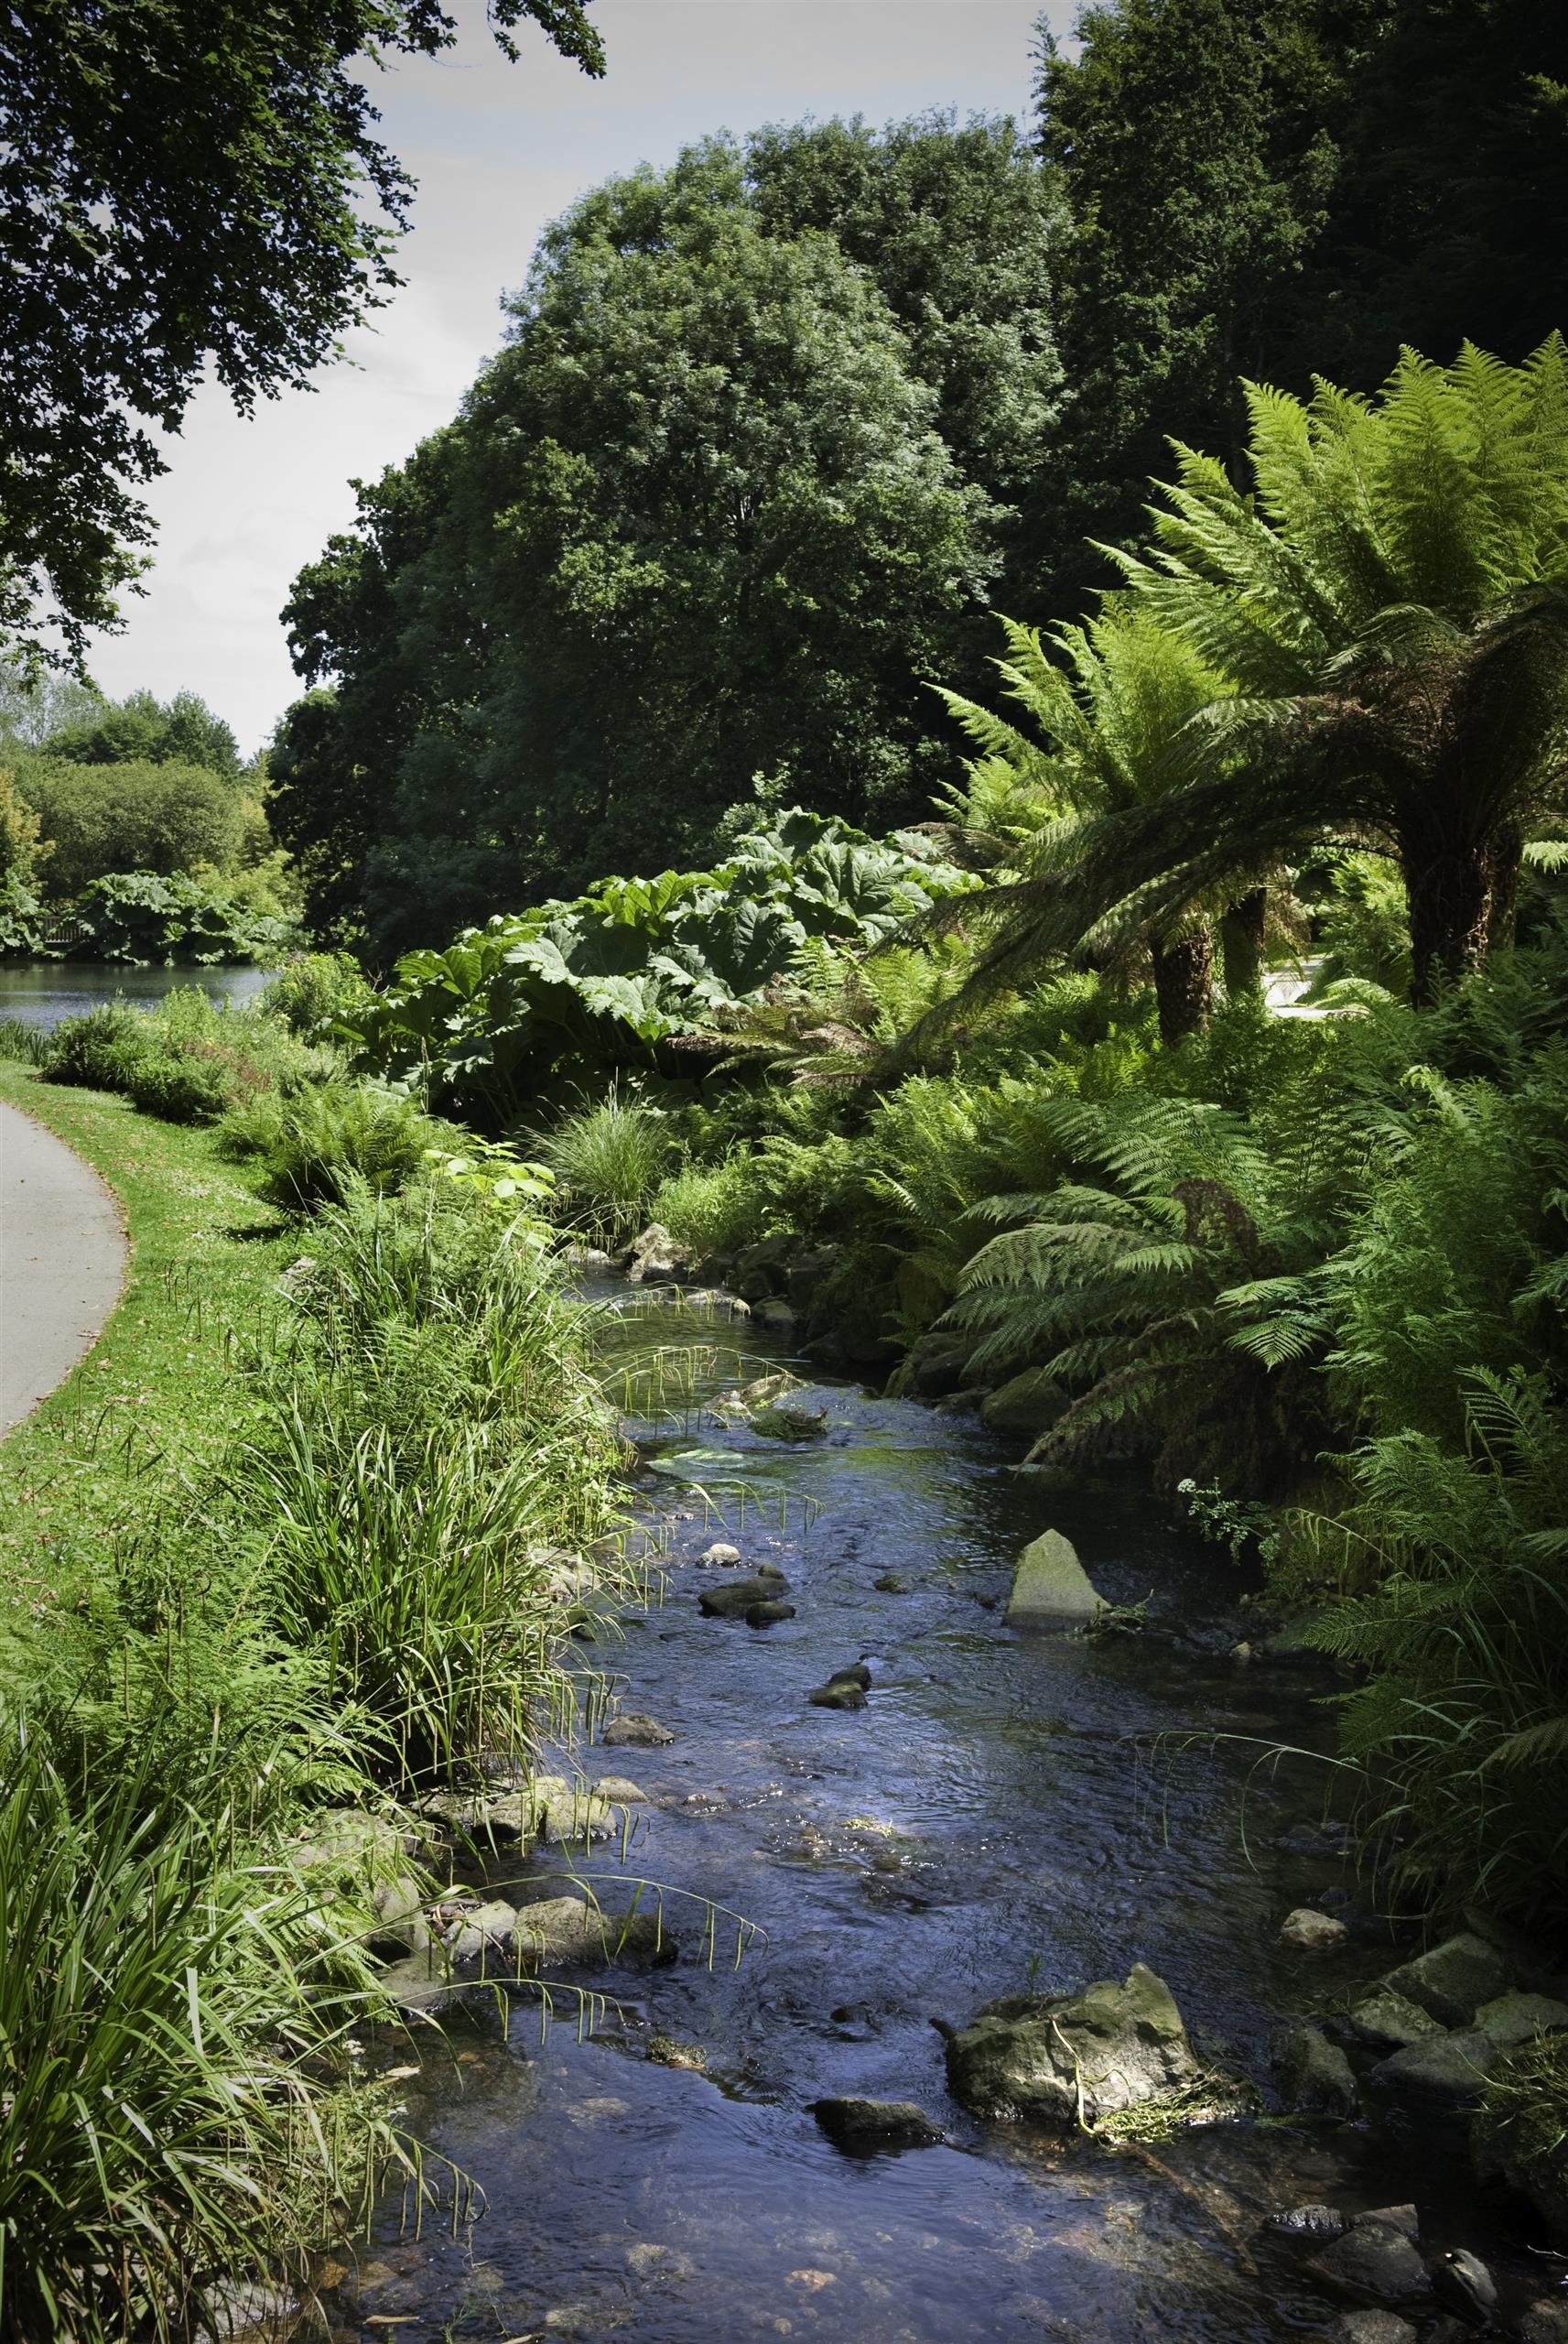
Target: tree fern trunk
(1450, 897)
(1506, 856)
(1241, 942)
(1183, 981)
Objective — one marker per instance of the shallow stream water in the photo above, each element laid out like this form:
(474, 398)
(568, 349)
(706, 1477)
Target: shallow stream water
(1008, 1812)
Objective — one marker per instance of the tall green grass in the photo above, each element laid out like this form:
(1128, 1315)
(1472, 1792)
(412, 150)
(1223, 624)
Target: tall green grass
(607, 1156)
(174, 2103)
(433, 1431)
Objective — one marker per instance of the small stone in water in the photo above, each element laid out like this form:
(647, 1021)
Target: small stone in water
(1313, 1932)
(766, 1615)
(891, 1583)
(634, 1729)
(1313, 2223)
(719, 1554)
(618, 1791)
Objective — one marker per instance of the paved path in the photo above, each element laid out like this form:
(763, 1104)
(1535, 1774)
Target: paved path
(63, 1262)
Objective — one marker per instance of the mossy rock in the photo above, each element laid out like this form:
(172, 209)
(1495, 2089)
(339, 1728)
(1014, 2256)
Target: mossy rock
(1051, 1588)
(1108, 2053)
(1027, 1405)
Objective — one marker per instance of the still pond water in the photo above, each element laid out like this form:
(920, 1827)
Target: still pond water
(43, 992)
(1008, 1811)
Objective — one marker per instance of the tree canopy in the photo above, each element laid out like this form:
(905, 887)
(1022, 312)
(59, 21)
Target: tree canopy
(1276, 188)
(706, 503)
(143, 730)
(183, 184)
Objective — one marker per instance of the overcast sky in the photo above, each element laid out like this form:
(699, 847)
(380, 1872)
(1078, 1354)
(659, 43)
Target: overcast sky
(498, 150)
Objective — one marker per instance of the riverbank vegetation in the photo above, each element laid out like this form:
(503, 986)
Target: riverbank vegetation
(275, 1560)
(1044, 1138)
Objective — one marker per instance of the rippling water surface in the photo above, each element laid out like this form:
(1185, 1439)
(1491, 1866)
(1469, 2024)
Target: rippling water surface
(1008, 1811)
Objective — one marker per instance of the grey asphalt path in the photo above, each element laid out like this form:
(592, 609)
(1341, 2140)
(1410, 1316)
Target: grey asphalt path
(63, 1262)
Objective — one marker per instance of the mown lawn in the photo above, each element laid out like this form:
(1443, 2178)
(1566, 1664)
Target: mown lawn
(139, 1425)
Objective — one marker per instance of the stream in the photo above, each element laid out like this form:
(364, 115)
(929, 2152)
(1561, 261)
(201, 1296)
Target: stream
(1008, 1812)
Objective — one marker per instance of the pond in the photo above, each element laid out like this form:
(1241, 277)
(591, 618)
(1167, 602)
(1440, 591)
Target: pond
(1008, 1812)
(43, 992)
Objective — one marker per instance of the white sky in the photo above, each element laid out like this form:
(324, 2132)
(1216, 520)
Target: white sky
(499, 150)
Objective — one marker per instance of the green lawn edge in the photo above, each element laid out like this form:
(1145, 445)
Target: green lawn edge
(146, 1414)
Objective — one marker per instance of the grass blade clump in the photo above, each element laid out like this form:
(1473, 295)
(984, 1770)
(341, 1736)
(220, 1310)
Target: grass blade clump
(173, 2109)
(608, 1158)
(435, 1432)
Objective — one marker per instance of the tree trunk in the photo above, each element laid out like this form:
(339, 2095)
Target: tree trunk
(1451, 896)
(1505, 854)
(1184, 977)
(1241, 942)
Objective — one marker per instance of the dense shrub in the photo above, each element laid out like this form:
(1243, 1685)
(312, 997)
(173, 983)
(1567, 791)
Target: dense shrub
(189, 1060)
(155, 818)
(313, 990)
(320, 1148)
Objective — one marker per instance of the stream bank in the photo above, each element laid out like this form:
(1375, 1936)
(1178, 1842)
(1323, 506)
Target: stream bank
(1007, 1813)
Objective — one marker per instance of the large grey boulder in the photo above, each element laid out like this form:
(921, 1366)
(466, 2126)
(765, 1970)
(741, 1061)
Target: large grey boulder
(568, 1929)
(1449, 2070)
(1452, 1981)
(1515, 2018)
(1315, 2079)
(1388, 2022)
(656, 1258)
(1374, 2259)
(1051, 1588)
(1027, 1405)
(1067, 2059)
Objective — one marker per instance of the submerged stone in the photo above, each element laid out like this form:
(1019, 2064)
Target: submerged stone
(1051, 1588)
(1308, 2225)
(731, 1599)
(863, 2126)
(633, 1729)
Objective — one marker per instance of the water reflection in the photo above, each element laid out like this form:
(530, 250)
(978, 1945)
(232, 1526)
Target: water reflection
(43, 992)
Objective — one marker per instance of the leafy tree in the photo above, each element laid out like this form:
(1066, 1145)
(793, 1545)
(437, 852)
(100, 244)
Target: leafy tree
(1271, 187)
(182, 184)
(1391, 610)
(1194, 143)
(160, 818)
(715, 537)
(960, 228)
(144, 731)
(21, 833)
(1449, 214)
